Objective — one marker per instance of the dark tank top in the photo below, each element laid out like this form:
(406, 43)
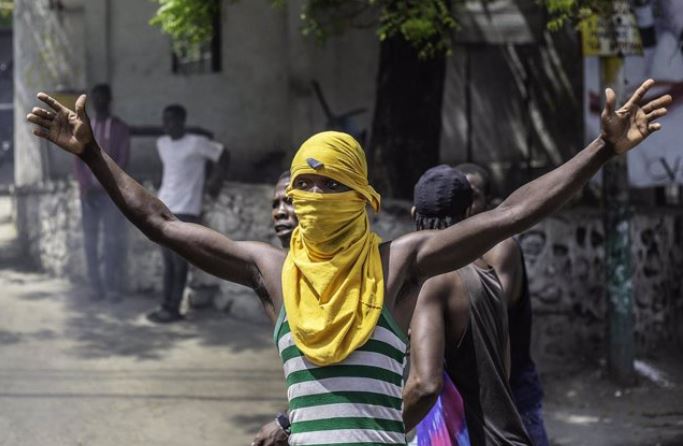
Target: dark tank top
(478, 366)
(524, 380)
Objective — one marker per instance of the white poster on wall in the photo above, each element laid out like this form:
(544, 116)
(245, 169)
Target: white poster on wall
(659, 161)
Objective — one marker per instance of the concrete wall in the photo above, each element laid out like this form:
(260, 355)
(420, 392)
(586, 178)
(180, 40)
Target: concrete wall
(564, 257)
(49, 55)
(261, 102)
(261, 105)
(48, 218)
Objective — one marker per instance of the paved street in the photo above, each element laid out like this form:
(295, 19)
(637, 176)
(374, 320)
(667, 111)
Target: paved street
(80, 373)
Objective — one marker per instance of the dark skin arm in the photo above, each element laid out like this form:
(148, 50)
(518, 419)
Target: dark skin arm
(506, 260)
(421, 255)
(427, 350)
(246, 263)
(410, 258)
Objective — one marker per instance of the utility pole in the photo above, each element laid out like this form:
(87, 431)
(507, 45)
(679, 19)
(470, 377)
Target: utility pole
(618, 261)
(611, 38)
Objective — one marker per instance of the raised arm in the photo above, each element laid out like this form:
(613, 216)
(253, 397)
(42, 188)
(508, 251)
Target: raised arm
(245, 263)
(435, 252)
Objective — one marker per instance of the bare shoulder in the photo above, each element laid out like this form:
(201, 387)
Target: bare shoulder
(398, 260)
(504, 253)
(407, 242)
(447, 287)
(402, 249)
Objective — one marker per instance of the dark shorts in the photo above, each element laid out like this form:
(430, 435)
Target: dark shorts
(533, 422)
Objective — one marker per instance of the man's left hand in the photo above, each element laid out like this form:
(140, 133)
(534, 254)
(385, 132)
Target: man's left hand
(627, 127)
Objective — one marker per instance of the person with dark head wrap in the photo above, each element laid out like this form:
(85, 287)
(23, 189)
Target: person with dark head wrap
(460, 325)
(442, 198)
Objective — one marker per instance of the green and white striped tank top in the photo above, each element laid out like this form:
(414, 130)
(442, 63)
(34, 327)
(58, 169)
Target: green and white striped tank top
(354, 402)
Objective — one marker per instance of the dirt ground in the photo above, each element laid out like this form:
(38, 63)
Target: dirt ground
(582, 407)
(74, 372)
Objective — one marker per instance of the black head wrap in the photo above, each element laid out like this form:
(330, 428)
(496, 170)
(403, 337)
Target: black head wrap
(442, 191)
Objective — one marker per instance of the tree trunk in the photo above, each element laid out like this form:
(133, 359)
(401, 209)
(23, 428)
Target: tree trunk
(406, 128)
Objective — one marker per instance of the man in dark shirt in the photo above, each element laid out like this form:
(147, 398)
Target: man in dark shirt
(97, 208)
(461, 317)
(508, 260)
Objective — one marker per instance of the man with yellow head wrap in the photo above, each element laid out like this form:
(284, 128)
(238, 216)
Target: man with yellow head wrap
(348, 298)
(332, 280)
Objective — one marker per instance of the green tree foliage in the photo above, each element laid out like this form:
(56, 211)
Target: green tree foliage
(6, 7)
(572, 11)
(426, 24)
(186, 21)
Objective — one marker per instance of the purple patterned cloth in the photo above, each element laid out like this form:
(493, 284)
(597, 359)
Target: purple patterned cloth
(445, 424)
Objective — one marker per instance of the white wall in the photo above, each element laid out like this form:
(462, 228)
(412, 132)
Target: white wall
(260, 102)
(49, 55)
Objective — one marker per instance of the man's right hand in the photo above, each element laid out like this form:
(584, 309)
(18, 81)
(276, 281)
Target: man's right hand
(271, 434)
(66, 128)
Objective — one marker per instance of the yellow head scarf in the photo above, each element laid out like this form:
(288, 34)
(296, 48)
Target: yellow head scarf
(332, 280)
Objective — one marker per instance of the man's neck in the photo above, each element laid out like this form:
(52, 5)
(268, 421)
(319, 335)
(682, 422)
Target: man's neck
(285, 243)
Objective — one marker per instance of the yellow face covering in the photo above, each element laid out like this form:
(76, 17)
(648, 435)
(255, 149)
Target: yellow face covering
(332, 280)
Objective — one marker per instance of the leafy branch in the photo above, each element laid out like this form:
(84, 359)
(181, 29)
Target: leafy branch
(6, 7)
(187, 21)
(574, 11)
(426, 24)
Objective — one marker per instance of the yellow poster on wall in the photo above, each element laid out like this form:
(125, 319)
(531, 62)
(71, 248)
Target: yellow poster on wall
(613, 35)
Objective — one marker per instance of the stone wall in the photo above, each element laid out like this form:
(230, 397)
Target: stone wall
(261, 104)
(565, 260)
(48, 219)
(564, 257)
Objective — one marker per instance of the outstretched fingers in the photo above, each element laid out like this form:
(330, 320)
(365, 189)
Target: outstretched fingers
(653, 127)
(52, 102)
(43, 113)
(610, 100)
(80, 106)
(654, 104)
(640, 93)
(39, 120)
(656, 114)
